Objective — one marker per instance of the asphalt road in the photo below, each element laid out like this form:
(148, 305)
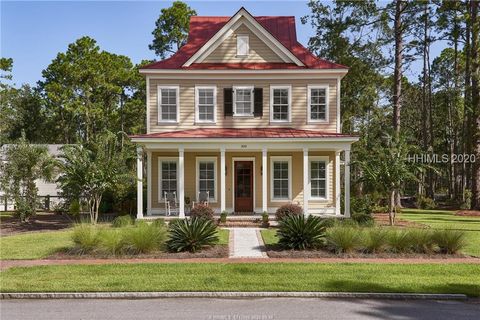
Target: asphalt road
(237, 309)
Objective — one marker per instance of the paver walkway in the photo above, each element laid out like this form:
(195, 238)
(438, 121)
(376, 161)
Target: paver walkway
(246, 243)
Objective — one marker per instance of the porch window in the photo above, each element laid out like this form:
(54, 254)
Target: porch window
(168, 104)
(281, 178)
(318, 104)
(280, 104)
(168, 176)
(205, 104)
(243, 101)
(206, 176)
(318, 179)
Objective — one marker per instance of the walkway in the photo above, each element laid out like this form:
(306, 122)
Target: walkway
(246, 243)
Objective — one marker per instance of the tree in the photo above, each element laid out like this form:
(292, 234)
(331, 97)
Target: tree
(475, 65)
(171, 29)
(25, 163)
(90, 171)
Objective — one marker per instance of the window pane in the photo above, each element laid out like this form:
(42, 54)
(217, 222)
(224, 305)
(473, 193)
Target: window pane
(280, 180)
(243, 98)
(206, 177)
(168, 176)
(280, 104)
(318, 178)
(318, 104)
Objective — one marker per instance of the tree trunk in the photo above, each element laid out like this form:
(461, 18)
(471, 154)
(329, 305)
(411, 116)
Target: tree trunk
(397, 85)
(475, 102)
(391, 215)
(467, 133)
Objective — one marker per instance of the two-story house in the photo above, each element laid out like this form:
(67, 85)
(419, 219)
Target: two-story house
(246, 113)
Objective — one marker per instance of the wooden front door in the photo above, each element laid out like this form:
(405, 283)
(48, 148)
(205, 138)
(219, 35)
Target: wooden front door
(243, 186)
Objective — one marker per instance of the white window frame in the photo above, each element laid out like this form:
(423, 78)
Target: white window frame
(309, 103)
(161, 195)
(275, 159)
(213, 199)
(325, 159)
(159, 100)
(243, 36)
(272, 89)
(235, 88)
(197, 104)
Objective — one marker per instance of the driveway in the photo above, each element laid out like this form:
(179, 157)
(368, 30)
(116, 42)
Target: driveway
(238, 309)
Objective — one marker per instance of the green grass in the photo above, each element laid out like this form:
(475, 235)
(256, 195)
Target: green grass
(443, 219)
(34, 245)
(345, 277)
(269, 236)
(42, 244)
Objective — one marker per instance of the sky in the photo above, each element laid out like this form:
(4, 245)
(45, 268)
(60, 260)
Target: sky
(33, 32)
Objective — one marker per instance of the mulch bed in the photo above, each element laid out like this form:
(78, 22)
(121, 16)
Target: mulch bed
(468, 213)
(219, 251)
(41, 222)
(382, 219)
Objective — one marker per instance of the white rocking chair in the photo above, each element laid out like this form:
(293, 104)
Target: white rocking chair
(202, 198)
(171, 203)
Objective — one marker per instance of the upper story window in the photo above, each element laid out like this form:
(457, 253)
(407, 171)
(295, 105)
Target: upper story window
(205, 104)
(168, 109)
(243, 101)
(280, 102)
(318, 103)
(242, 45)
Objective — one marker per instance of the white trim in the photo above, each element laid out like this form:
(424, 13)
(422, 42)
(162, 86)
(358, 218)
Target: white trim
(214, 87)
(215, 178)
(264, 179)
(148, 103)
(327, 107)
(338, 115)
(347, 184)
(252, 100)
(306, 182)
(139, 182)
(149, 182)
(289, 160)
(227, 30)
(337, 183)
(325, 159)
(159, 97)
(239, 36)
(233, 179)
(222, 180)
(161, 159)
(181, 182)
(289, 88)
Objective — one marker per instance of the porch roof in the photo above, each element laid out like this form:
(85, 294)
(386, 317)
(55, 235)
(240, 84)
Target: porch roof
(245, 133)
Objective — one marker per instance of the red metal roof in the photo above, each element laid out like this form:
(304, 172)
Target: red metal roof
(243, 133)
(203, 28)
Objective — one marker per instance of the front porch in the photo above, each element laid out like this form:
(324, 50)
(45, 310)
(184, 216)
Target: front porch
(244, 178)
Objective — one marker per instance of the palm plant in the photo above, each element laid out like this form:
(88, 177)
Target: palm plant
(192, 235)
(300, 233)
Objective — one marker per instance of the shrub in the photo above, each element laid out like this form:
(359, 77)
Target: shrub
(202, 211)
(192, 235)
(300, 233)
(374, 239)
(144, 238)
(361, 205)
(265, 219)
(399, 241)
(85, 237)
(449, 241)
(122, 221)
(425, 203)
(329, 222)
(363, 219)
(379, 209)
(223, 217)
(290, 209)
(159, 223)
(74, 208)
(343, 239)
(111, 241)
(467, 203)
(422, 241)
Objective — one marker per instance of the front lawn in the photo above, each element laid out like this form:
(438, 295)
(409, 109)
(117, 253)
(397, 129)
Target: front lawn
(269, 236)
(345, 277)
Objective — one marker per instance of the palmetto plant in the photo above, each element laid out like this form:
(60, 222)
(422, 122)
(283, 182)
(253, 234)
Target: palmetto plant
(300, 233)
(192, 235)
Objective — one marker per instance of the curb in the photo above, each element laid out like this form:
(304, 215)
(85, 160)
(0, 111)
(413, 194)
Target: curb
(218, 294)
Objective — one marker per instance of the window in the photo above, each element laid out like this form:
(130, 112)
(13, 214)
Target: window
(168, 104)
(167, 176)
(318, 179)
(206, 101)
(280, 103)
(243, 101)
(318, 103)
(281, 178)
(206, 176)
(242, 45)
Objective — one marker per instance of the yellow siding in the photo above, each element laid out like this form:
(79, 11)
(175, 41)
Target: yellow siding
(227, 50)
(298, 109)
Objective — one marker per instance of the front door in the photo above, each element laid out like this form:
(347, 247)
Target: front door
(243, 186)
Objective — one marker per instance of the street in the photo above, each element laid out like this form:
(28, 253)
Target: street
(238, 309)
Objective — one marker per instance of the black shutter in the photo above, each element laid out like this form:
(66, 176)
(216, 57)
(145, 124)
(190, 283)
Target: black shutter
(227, 102)
(258, 102)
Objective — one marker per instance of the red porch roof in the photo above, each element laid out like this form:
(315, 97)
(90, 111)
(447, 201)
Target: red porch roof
(243, 133)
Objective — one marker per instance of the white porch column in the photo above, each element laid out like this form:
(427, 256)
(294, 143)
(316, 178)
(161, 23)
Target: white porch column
(222, 180)
(264, 180)
(347, 183)
(306, 185)
(338, 191)
(181, 183)
(139, 182)
(149, 183)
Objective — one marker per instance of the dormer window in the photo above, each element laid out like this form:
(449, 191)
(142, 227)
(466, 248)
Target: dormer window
(242, 45)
